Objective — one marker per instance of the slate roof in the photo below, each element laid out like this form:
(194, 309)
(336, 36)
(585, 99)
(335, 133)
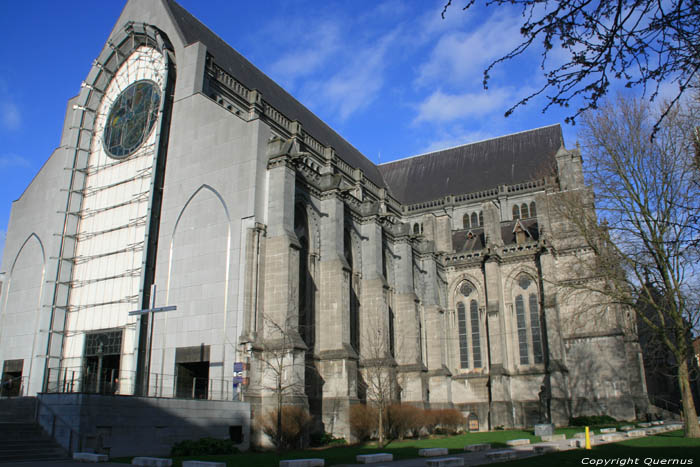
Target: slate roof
(252, 78)
(506, 160)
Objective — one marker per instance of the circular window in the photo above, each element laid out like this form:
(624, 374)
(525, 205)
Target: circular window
(524, 282)
(131, 118)
(466, 289)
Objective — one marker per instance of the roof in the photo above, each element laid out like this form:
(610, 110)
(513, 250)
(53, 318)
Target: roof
(252, 78)
(505, 160)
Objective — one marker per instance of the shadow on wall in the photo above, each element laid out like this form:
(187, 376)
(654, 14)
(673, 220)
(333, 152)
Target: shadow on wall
(131, 425)
(611, 397)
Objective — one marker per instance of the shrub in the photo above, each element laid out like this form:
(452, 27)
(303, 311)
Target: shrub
(203, 447)
(451, 421)
(429, 420)
(402, 420)
(326, 439)
(592, 420)
(295, 421)
(363, 421)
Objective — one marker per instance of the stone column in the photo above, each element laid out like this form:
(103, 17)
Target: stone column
(283, 349)
(412, 371)
(552, 338)
(439, 376)
(377, 366)
(337, 363)
(500, 410)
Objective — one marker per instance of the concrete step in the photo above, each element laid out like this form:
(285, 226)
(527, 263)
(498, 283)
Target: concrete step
(22, 442)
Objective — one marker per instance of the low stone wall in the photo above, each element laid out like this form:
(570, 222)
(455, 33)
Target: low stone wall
(130, 425)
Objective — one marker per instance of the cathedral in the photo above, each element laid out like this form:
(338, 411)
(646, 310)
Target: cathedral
(200, 234)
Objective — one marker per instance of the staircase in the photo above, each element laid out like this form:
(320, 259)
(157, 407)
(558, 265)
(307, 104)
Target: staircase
(21, 438)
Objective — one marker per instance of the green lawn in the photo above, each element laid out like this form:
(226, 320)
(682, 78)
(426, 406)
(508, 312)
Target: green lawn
(664, 446)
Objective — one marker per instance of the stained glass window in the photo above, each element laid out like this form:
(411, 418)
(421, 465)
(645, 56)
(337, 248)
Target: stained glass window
(522, 330)
(131, 118)
(463, 344)
(476, 338)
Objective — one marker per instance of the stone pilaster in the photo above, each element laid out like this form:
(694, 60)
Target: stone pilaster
(337, 364)
(436, 345)
(408, 327)
(282, 346)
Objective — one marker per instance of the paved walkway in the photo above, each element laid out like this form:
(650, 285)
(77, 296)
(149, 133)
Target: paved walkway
(470, 458)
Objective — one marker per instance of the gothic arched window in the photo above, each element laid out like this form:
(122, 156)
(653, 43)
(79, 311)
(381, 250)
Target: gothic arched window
(475, 220)
(416, 229)
(527, 317)
(523, 211)
(533, 209)
(353, 299)
(465, 221)
(306, 294)
(481, 218)
(468, 327)
(516, 212)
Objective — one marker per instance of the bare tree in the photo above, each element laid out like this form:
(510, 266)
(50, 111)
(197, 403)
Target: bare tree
(643, 239)
(283, 364)
(640, 42)
(378, 368)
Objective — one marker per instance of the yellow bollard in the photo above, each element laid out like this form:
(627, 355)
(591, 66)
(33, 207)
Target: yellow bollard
(588, 439)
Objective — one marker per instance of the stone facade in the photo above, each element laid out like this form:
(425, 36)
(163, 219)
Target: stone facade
(291, 257)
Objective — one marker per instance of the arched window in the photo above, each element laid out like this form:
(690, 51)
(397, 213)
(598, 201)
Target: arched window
(463, 344)
(465, 221)
(516, 212)
(306, 286)
(475, 221)
(481, 218)
(476, 335)
(523, 211)
(353, 300)
(469, 327)
(533, 209)
(527, 316)
(416, 229)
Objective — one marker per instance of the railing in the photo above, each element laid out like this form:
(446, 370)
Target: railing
(54, 425)
(113, 381)
(664, 403)
(14, 386)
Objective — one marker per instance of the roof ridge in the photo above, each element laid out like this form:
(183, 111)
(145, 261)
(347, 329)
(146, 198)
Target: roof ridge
(469, 144)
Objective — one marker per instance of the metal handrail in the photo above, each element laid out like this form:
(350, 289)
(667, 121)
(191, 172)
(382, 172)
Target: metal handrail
(73, 434)
(655, 399)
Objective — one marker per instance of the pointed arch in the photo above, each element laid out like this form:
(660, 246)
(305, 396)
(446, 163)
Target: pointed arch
(199, 192)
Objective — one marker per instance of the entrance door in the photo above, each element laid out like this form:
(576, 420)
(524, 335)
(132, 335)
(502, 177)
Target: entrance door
(101, 360)
(192, 372)
(11, 385)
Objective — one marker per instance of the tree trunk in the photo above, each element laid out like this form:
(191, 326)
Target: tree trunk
(279, 413)
(381, 426)
(690, 416)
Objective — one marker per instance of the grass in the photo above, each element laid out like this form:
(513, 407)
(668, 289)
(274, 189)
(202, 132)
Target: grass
(664, 446)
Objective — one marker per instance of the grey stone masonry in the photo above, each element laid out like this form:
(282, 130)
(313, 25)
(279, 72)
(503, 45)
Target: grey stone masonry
(431, 452)
(374, 458)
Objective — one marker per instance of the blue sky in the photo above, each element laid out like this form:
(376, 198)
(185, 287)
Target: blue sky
(391, 77)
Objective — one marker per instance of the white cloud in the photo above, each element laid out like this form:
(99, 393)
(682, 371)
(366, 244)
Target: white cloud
(10, 116)
(440, 107)
(319, 45)
(460, 57)
(13, 160)
(356, 84)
